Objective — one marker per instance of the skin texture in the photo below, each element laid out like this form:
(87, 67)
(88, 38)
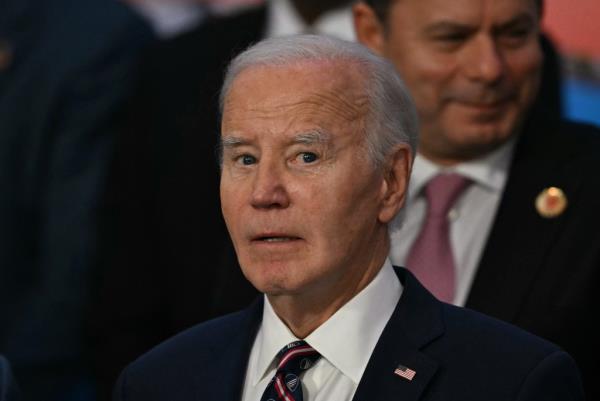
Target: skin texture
(472, 66)
(295, 168)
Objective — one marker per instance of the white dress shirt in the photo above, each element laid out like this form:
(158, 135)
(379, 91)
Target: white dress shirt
(470, 219)
(283, 19)
(345, 341)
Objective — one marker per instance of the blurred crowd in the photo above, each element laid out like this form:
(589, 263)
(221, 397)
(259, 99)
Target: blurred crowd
(111, 235)
(109, 177)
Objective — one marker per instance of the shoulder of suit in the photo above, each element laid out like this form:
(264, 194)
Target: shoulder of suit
(235, 30)
(201, 342)
(580, 131)
(560, 142)
(581, 143)
(494, 335)
(73, 36)
(195, 55)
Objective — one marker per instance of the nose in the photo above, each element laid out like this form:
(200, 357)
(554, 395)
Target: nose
(269, 188)
(485, 61)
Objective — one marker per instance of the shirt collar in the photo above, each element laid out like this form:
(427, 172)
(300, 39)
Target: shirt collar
(272, 336)
(360, 322)
(283, 19)
(489, 171)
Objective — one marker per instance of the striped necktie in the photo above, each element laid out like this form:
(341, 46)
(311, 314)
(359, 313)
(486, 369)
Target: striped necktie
(294, 358)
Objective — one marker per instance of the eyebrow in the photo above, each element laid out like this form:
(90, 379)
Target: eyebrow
(305, 138)
(312, 137)
(232, 142)
(448, 26)
(520, 20)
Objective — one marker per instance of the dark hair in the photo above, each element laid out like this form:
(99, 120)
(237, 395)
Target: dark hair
(381, 7)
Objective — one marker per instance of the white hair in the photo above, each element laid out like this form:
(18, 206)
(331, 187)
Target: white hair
(391, 118)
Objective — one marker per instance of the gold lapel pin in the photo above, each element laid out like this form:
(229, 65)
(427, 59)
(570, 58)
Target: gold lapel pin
(551, 202)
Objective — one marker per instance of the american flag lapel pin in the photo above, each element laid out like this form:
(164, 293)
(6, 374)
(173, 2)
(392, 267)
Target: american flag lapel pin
(405, 373)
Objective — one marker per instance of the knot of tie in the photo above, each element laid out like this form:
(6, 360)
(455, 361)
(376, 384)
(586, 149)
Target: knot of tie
(293, 359)
(442, 191)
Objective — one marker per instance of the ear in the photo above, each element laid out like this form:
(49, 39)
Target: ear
(395, 182)
(370, 31)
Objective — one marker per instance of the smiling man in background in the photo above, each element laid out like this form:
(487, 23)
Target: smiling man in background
(503, 205)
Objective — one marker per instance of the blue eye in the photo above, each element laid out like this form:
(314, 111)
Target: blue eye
(308, 157)
(248, 160)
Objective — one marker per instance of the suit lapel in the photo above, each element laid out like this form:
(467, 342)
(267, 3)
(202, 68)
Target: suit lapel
(416, 321)
(230, 364)
(504, 278)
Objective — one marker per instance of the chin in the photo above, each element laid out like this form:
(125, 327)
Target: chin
(267, 277)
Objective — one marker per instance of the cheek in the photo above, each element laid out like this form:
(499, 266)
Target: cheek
(527, 73)
(427, 78)
(345, 213)
(524, 65)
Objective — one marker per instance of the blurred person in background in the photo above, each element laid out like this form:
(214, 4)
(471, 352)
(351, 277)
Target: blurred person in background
(518, 235)
(66, 68)
(8, 387)
(169, 274)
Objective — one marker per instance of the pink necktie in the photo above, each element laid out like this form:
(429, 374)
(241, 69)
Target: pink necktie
(430, 257)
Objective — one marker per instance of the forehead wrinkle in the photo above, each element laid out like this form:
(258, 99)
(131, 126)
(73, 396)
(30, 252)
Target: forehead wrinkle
(340, 99)
(325, 103)
(348, 109)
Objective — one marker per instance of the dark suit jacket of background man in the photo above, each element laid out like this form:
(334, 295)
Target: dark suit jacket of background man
(67, 72)
(540, 274)
(456, 354)
(543, 274)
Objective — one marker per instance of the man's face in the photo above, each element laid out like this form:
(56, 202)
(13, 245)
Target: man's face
(472, 67)
(299, 194)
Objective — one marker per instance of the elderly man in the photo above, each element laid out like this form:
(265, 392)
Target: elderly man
(317, 142)
(518, 238)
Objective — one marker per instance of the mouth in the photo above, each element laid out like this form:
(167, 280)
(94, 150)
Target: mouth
(487, 105)
(271, 238)
(490, 101)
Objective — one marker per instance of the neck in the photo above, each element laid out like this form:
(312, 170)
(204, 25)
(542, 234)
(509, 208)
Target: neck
(463, 156)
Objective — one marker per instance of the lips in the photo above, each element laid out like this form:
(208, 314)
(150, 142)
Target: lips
(483, 99)
(274, 237)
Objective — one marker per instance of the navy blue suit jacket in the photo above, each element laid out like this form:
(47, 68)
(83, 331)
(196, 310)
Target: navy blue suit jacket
(457, 354)
(8, 388)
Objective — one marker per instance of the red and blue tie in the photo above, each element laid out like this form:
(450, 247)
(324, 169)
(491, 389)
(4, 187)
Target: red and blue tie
(294, 358)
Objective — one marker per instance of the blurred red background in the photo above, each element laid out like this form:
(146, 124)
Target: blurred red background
(574, 25)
